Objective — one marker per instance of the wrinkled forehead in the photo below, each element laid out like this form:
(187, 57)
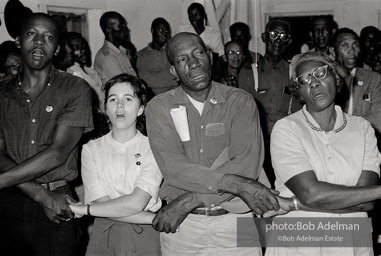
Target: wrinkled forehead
(184, 42)
(346, 37)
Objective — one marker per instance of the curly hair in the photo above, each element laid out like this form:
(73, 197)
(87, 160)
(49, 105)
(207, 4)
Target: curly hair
(140, 90)
(338, 70)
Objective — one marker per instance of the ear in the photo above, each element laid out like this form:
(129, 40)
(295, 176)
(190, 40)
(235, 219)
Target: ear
(310, 33)
(289, 42)
(264, 37)
(172, 69)
(210, 54)
(57, 50)
(338, 80)
(141, 110)
(17, 42)
(332, 51)
(224, 58)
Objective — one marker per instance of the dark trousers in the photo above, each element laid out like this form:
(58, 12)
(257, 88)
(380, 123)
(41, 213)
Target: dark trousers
(25, 229)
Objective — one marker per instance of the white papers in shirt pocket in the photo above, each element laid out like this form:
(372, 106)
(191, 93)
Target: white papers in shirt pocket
(180, 118)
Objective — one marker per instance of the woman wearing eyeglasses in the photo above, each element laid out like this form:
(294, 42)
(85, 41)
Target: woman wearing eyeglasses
(327, 165)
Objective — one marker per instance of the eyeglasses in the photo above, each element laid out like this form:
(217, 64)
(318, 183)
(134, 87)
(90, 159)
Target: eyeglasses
(275, 35)
(234, 53)
(319, 73)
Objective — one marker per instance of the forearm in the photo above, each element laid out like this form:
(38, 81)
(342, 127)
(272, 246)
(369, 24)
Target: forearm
(232, 184)
(6, 163)
(31, 168)
(363, 207)
(31, 189)
(122, 206)
(328, 196)
(139, 218)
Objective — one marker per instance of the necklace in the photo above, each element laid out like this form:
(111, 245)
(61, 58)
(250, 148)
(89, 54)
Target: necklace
(321, 130)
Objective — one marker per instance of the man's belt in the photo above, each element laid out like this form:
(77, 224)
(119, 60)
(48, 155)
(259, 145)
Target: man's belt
(210, 212)
(54, 185)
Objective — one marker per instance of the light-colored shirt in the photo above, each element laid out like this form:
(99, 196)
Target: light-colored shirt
(153, 67)
(113, 169)
(229, 120)
(92, 78)
(337, 157)
(211, 37)
(111, 61)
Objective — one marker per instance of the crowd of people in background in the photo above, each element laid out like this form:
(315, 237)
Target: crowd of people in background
(261, 131)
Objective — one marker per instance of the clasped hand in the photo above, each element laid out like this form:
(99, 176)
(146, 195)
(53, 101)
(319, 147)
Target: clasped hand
(259, 198)
(286, 206)
(56, 206)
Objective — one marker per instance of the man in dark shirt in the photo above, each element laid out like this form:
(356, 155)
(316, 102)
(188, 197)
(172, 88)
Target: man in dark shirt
(268, 83)
(152, 61)
(219, 157)
(43, 113)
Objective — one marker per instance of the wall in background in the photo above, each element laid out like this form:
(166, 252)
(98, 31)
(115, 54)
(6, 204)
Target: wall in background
(354, 14)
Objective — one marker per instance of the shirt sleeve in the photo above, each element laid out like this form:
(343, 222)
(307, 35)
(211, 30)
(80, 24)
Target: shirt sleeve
(155, 72)
(111, 67)
(78, 110)
(372, 157)
(93, 188)
(150, 177)
(245, 150)
(217, 43)
(246, 80)
(287, 154)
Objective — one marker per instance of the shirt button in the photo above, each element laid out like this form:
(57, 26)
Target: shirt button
(32, 142)
(210, 187)
(201, 151)
(33, 120)
(202, 127)
(28, 100)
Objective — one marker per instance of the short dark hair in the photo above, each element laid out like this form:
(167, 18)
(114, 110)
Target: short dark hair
(369, 29)
(159, 21)
(140, 91)
(75, 35)
(169, 45)
(343, 31)
(37, 14)
(278, 21)
(106, 17)
(240, 26)
(197, 6)
(330, 22)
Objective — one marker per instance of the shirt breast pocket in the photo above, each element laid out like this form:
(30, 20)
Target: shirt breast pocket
(215, 129)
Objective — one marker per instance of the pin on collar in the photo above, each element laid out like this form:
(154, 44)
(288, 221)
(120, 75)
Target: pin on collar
(138, 158)
(213, 101)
